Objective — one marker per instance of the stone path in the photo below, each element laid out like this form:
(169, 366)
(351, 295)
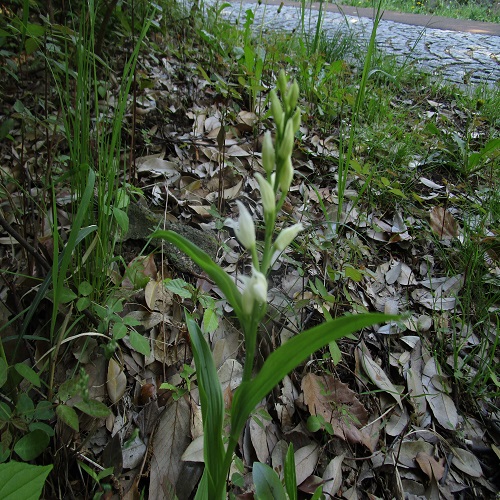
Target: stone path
(460, 57)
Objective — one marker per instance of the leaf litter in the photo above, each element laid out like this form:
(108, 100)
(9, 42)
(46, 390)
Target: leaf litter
(388, 409)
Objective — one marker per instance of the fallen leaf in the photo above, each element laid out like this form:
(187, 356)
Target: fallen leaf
(466, 462)
(443, 223)
(116, 383)
(306, 459)
(376, 374)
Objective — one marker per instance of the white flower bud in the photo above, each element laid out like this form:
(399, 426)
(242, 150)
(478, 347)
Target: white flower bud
(286, 175)
(287, 236)
(255, 291)
(245, 232)
(282, 82)
(268, 153)
(277, 110)
(292, 95)
(267, 194)
(286, 146)
(296, 120)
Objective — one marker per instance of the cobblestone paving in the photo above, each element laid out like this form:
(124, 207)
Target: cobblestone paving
(457, 57)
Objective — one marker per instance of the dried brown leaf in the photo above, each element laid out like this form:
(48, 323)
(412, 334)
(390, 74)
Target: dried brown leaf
(443, 223)
(116, 382)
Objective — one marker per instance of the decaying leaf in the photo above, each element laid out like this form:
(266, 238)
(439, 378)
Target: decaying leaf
(443, 223)
(171, 438)
(116, 382)
(441, 404)
(433, 469)
(376, 374)
(338, 405)
(306, 459)
(466, 462)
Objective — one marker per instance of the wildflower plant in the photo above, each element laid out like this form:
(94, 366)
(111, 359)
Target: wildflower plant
(249, 305)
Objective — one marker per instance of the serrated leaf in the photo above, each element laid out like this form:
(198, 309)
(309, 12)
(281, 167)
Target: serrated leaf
(139, 343)
(93, 408)
(19, 480)
(116, 382)
(179, 287)
(28, 373)
(69, 416)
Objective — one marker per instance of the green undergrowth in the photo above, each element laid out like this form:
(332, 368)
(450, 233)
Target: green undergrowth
(388, 127)
(483, 10)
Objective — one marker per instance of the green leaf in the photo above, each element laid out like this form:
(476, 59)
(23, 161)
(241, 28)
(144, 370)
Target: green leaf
(313, 423)
(3, 371)
(44, 411)
(210, 321)
(179, 287)
(85, 288)
(203, 260)
(28, 373)
(5, 412)
(212, 410)
(267, 483)
(43, 427)
(290, 477)
(83, 303)
(290, 355)
(120, 330)
(31, 445)
(121, 218)
(69, 388)
(66, 296)
(93, 408)
(18, 480)
(68, 416)
(335, 352)
(139, 343)
(25, 407)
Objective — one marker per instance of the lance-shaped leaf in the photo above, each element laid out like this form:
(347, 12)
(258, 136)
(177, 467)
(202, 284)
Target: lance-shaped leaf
(289, 356)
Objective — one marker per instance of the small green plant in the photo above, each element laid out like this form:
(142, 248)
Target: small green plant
(249, 305)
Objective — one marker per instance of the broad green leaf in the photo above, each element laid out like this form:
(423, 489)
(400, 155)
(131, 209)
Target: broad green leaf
(42, 426)
(290, 477)
(28, 373)
(335, 352)
(93, 408)
(121, 218)
(25, 407)
(3, 371)
(210, 321)
(139, 343)
(267, 483)
(179, 287)
(85, 288)
(68, 416)
(289, 356)
(31, 445)
(44, 411)
(212, 409)
(19, 480)
(83, 303)
(69, 388)
(202, 259)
